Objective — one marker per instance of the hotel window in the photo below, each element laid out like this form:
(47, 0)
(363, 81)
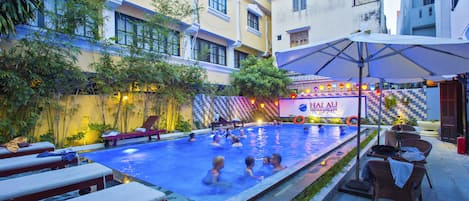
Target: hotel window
(426, 2)
(253, 21)
(132, 31)
(299, 5)
(299, 38)
(238, 58)
(53, 17)
(209, 52)
(219, 5)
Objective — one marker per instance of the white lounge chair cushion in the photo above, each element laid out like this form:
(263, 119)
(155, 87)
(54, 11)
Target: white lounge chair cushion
(26, 161)
(33, 146)
(35, 183)
(125, 192)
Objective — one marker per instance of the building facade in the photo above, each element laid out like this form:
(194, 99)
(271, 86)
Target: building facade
(300, 22)
(227, 30)
(460, 19)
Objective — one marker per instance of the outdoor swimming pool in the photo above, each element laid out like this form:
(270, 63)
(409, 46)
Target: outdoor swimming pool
(179, 165)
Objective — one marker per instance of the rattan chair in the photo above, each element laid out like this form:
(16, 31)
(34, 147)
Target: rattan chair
(423, 146)
(403, 127)
(384, 187)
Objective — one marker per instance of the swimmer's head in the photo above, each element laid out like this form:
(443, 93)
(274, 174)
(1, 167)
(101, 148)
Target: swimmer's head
(249, 161)
(218, 162)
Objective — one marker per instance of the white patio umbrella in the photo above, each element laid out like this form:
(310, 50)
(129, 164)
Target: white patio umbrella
(381, 56)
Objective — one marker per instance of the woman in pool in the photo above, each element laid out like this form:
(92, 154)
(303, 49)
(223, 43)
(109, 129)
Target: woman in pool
(276, 162)
(249, 161)
(213, 175)
(192, 137)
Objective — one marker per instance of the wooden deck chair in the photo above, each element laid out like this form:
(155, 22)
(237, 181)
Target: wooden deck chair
(33, 148)
(131, 191)
(148, 124)
(384, 187)
(57, 182)
(20, 164)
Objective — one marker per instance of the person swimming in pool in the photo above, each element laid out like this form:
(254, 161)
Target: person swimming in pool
(266, 168)
(192, 137)
(216, 141)
(236, 142)
(277, 163)
(242, 134)
(213, 175)
(249, 161)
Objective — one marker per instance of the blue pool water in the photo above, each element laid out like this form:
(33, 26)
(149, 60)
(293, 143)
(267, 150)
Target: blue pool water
(179, 165)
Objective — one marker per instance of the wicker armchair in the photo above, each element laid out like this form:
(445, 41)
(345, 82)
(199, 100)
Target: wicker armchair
(403, 127)
(384, 186)
(424, 147)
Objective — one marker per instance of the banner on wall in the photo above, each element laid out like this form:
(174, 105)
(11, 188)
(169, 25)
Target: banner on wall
(322, 107)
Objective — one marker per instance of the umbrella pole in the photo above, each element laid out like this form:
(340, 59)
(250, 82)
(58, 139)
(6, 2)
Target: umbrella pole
(357, 168)
(355, 186)
(380, 106)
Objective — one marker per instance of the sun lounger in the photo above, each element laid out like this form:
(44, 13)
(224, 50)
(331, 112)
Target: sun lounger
(20, 164)
(222, 122)
(148, 132)
(57, 182)
(132, 191)
(33, 148)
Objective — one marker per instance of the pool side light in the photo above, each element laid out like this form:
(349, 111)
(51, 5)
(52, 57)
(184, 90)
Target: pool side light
(259, 121)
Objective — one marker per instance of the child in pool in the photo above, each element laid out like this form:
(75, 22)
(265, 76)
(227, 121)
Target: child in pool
(249, 161)
(213, 175)
(266, 168)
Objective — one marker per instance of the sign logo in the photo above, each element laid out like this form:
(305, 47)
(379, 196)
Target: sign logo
(303, 107)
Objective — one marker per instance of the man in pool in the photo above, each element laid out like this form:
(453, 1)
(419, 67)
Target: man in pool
(216, 141)
(276, 162)
(213, 175)
(249, 161)
(266, 168)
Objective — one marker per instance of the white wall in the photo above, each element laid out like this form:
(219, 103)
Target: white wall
(460, 20)
(443, 18)
(327, 19)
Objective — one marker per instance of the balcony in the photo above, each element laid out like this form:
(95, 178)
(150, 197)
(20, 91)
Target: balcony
(422, 16)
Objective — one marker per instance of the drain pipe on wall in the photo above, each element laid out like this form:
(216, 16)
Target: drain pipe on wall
(238, 42)
(266, 52)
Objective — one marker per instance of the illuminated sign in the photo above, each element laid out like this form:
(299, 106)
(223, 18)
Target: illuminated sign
(322, 107)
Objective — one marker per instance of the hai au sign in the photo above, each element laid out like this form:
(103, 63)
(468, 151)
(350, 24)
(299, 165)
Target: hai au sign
(321, 107)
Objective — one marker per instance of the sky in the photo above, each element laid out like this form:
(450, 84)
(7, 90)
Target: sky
(390, 10)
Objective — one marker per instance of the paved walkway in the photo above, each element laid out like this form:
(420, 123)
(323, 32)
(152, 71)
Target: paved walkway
(449, 173)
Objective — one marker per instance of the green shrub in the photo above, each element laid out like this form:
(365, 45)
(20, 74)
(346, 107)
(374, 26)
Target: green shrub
(47, 137)
(182, 125)
(72, 140)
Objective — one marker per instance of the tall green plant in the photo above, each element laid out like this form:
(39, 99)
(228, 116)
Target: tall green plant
(261, 79)
(33, 74)
(14, 12)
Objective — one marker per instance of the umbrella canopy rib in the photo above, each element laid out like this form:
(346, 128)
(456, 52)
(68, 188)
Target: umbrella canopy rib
(332, 59)
(314, 52)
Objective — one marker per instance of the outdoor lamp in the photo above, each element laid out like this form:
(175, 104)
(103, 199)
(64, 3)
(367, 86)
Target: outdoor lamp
(378, 92)
(334, 85)
(125, 98)
(329, 86)
(364, 86)
(292, 95)
(308, 91)
(341, 86)
(321, 87)
(276, 102)
(372, 87)
(348, 85)
(316, 89)
(253, 101)
(262, 105)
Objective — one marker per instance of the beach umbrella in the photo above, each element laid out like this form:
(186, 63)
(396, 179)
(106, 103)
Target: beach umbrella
(364, 54)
